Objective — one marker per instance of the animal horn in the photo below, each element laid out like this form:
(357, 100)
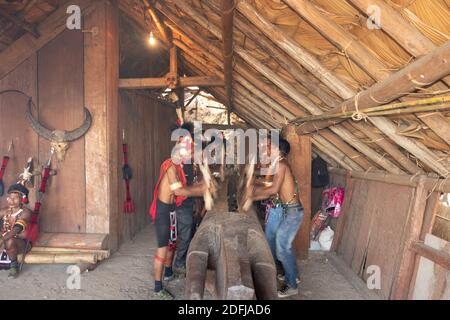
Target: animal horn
(81, 131)
(39, 128)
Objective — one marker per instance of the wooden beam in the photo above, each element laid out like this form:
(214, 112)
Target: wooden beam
(27, 45)
(440, 185)
(300, 158)
(441, 258)
(207, 126)
(227, 18)
(73, 241)
(148, 83)
(154, 16)
(20, 23)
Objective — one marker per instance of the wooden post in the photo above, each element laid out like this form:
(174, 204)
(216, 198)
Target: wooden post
(227, 36)
(300, 161)
(411, 235)
(101, 69)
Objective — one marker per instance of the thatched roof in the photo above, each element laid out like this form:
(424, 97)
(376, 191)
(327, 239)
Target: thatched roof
(273, 85)
(292, 59)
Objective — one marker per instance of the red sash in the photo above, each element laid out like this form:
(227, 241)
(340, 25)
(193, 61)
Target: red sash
(162, 171)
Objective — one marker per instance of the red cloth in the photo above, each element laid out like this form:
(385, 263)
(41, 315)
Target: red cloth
(162, 171)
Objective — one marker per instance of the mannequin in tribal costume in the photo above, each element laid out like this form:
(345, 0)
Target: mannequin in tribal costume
(14, 220)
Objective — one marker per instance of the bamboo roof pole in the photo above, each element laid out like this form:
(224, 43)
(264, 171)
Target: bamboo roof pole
(418, 149)
(365, 58)
(292, 92)
(309, 82)
(220, 94)
(342, 39)
(324, 145)
(254, 121)
(389, 147)
(262, 86)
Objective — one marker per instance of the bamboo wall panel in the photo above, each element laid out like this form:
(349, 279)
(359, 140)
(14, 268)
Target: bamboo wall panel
(147, 124)
(61, 102)
(373, 232)
(14, 126)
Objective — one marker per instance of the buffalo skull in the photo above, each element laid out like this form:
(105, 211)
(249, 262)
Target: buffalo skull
(59, 139)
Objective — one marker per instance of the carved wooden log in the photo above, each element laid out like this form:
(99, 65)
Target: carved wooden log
(233, 247)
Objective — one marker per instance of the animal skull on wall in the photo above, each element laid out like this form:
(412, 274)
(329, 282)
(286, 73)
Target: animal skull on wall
(59, 139)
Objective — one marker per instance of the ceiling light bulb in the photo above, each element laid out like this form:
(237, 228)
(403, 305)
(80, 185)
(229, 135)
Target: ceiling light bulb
(152, 39)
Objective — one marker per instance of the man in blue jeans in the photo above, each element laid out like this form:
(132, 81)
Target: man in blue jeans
(284, 219)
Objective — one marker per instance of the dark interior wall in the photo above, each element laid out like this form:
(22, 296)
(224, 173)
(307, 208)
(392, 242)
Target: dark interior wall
(147, 124)
(54, 78)
(374, 228)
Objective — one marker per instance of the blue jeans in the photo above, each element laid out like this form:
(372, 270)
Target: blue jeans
(282, 227)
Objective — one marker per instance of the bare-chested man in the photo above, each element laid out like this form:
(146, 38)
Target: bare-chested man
(170, 192)
(13, 224)
(285, 217)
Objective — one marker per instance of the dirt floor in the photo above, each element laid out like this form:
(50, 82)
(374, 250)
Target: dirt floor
(127, 274)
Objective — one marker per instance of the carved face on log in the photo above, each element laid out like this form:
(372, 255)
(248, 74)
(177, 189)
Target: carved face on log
(59, 139)
(229, 255)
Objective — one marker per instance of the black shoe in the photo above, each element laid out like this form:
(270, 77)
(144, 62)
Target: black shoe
(286, 291)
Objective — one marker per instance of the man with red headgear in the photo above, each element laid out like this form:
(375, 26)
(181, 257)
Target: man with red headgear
(13, 224)
(170, 192)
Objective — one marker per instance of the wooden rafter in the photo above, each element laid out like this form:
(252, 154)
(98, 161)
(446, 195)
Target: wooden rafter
(151, 83)
(21, 23)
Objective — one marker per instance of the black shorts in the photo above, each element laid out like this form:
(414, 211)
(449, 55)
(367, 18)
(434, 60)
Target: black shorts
(162, 222)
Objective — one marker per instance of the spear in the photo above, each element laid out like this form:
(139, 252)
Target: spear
(3, 169)
(33, 231)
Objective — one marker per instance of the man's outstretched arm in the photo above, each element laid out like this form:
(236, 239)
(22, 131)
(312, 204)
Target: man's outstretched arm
(261, 192)
(196, 190)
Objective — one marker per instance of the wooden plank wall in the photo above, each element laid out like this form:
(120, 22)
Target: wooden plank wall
(147, 124)
(374, 228)
(13, 125)
(54, 78)
(61, 103)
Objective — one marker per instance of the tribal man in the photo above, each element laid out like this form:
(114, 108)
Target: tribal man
(170, 192)
(285, 217)
(13, 224)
